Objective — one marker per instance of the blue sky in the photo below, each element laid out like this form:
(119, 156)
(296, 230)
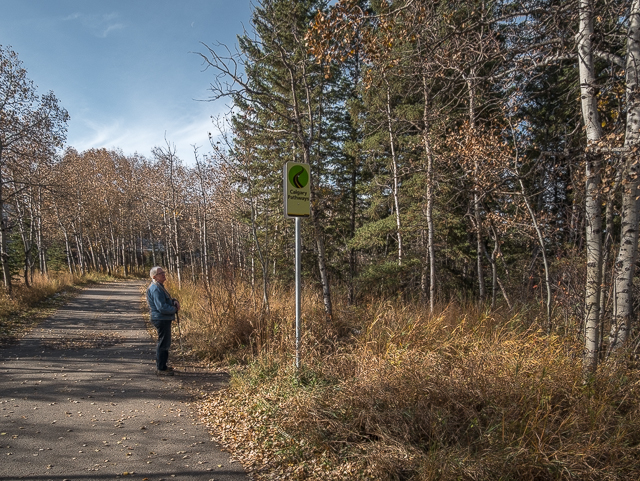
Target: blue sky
(126, 70)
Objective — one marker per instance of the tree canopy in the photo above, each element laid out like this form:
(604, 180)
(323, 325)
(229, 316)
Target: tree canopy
(467, 151)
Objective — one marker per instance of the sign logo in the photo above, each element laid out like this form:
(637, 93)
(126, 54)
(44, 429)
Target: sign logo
(297, 189)
(299, 177)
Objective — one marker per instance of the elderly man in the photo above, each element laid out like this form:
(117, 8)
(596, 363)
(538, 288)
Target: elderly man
(163, 310)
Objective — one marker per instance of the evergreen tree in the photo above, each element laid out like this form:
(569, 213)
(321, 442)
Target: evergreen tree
(286, 108)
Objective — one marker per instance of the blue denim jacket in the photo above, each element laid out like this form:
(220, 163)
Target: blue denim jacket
(161, 305)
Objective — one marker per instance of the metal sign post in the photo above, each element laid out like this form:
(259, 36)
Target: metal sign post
(298, 294)
(297, 191)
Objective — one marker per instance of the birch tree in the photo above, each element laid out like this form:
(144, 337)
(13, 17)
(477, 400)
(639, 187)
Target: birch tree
(28, 123)
(626, 260)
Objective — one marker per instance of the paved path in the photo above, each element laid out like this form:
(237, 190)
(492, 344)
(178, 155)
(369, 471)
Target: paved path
(79, 399)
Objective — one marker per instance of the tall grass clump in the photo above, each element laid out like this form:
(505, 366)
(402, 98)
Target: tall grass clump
(216, 322)
(389, 392)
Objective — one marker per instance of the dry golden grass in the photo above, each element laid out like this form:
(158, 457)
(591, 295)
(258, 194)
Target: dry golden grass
(390, 392)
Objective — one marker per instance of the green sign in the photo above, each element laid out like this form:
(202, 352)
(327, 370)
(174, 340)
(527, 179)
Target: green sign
(297, 189)
(298, 176)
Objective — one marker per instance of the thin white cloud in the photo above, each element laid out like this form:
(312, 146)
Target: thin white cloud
(110, 28)
(100, 25)
(142, 135)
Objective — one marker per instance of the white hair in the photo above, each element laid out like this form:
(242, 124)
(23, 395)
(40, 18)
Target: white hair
(154, 271)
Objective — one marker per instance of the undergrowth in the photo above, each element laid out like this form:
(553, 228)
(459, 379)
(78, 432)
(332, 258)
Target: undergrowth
(388, 391)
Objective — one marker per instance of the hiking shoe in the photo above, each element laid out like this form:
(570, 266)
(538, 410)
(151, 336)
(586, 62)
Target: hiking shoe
(166, 372)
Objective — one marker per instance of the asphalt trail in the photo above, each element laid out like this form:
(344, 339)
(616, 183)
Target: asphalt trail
(79, 399)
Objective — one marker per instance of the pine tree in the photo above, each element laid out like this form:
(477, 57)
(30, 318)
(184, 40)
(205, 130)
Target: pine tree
(286, 108)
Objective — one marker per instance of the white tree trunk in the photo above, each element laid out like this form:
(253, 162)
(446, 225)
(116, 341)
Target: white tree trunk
(429, 193)
(593, 212)
(430, 227)
(547, 279)
(396, 181)
(476, 186)
(588, 88)
(626, 260)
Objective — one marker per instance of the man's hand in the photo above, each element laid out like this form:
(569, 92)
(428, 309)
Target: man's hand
(177, 305)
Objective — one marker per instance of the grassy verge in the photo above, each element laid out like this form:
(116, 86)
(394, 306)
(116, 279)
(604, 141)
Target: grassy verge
(389, 392)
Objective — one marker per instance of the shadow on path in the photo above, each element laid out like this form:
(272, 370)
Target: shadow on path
(79, 399)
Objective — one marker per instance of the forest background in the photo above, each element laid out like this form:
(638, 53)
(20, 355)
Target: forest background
(469, 264)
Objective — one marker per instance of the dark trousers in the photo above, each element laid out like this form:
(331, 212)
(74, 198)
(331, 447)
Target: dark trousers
(164, 343)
